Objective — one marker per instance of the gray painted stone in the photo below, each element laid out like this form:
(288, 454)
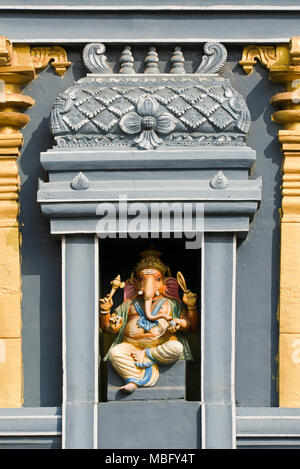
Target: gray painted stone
(257, 427)
(80, 341)
(183, 27)
(170, 385)
(168, 112)
(159, 4)
(218, 423)
(150, 425)
(83, 209)
(60, 226)
(218, 324)
(40, 420)
(77, 117)
(257, 259)
(236, 157)
(262, 422)
(162, 190)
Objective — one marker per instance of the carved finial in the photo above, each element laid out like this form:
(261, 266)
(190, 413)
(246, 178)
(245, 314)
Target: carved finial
(41, 56)
(214, 58)
(219, 181)
(152, 61)
(94, 58)
(177, 61)
(127, 61)
(80, 182)
(5, 51)
(266, 55)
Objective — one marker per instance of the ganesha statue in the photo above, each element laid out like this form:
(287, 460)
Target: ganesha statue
(150, 323)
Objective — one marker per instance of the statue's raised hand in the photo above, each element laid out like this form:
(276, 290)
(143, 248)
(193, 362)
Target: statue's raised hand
(174, 325)
(115, 320)
(190, 299)
(106, 303)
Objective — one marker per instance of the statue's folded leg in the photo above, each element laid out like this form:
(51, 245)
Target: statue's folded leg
(124, 364)
(166, 353)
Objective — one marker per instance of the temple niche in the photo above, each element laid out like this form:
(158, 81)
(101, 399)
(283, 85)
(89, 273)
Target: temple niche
(150, 326)
(129, 143)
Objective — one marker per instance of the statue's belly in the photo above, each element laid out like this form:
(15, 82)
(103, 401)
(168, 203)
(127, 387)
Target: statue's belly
(133, 331)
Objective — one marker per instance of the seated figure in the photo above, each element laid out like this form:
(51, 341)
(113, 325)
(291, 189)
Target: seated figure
(150, 323)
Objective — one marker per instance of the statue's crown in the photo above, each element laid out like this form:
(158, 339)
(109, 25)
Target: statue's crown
(150, 259)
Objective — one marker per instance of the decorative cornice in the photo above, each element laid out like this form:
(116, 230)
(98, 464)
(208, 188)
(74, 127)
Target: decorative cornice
(95, 60)
(150, 109)
(268, 56)
(19, 64)
(56, 55)
(5, 51)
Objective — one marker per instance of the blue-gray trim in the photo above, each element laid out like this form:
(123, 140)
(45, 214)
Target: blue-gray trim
(217, 326)
(89, 209)
(264, 422)
(214, 5)
(142, 26)
(30, 428)
(240, 157)
(29, 420)
(40, 427)
(157, 190)
(218, 223)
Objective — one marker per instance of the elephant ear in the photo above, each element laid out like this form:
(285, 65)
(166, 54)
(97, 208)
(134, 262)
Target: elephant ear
(130, 289)
(171, 288)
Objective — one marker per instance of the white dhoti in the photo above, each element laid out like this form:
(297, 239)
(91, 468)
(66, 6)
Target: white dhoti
(146, 373)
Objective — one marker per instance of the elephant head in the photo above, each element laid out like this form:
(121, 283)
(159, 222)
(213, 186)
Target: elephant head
(151, 283)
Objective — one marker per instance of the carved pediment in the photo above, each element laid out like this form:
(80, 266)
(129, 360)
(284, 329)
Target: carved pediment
(150, 110)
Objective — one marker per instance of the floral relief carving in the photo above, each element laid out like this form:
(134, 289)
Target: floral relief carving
(150, 110)
(148, 121)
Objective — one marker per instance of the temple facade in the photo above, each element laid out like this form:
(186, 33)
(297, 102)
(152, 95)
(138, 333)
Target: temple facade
(149, 224)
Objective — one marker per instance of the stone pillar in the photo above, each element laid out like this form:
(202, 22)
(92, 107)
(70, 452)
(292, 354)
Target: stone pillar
(283, 61)
(80, 342)
(218, 341)
(18, 67)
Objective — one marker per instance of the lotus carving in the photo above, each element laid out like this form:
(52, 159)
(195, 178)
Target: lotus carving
(148, 122)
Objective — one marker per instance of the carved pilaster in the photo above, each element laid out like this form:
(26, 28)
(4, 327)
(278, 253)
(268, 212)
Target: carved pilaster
(19, 65)
(283, 63)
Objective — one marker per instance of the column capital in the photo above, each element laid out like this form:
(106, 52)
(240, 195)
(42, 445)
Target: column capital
(283, 63)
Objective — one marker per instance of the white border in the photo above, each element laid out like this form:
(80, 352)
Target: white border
(29, 433)
(213, 8)
(268, 435)
(147, 40)
(233, 319)
(31, 417)
(64, 390)
(202, 361)
(268, 417)
(96, 340)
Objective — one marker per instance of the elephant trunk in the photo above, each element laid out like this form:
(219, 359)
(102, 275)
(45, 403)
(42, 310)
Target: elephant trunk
(149, 292)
